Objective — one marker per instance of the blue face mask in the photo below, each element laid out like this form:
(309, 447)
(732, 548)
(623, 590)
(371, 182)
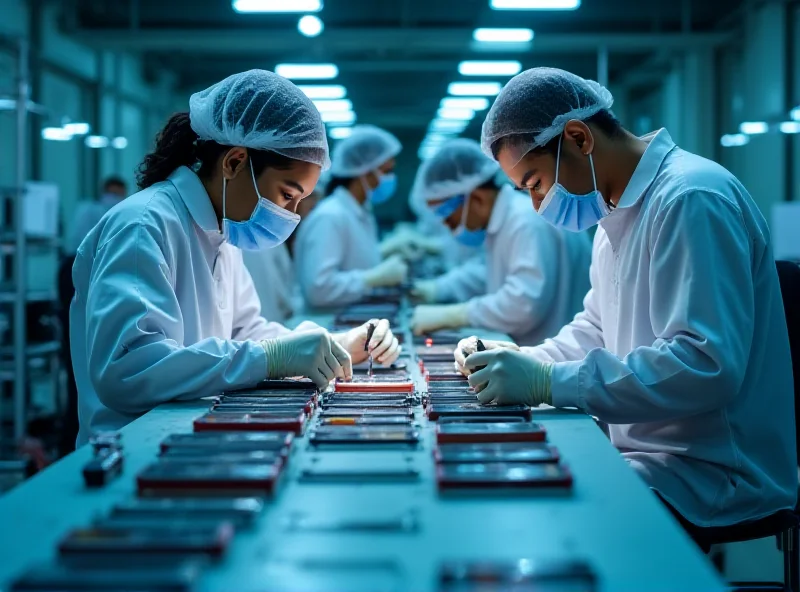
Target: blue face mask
(468, 238)
(445, 209)
(268, 226)
(570, 211)
(387, 185)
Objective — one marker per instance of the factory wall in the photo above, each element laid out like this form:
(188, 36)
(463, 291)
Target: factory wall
(79, 83)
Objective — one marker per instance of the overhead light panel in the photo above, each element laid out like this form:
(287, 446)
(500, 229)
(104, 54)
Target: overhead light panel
(455, 113)
(333, 105)
(503, 35)
(338, 116)
(790, 127)
(56, 134)
(730, 140)
(307, 71)
(340, 133)
(96, 141)
(496, 68)
(323, 91)
(752, 128)
(437, 138)
(795, 113)
(277, 5)
(534, 4)
(426, 152)
(469, 89)
(448, 125)
(474, 103)
(120, 143)
(77, 128)
(310, 25)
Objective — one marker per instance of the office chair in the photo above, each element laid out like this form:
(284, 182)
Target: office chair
(785, 524)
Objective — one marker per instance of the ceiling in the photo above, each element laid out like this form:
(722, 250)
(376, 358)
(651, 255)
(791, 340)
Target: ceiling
(396, 57)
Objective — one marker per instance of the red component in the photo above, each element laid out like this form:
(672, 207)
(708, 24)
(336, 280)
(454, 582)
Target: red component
(428, 342)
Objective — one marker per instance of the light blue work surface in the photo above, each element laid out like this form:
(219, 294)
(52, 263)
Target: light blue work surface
(611, 519)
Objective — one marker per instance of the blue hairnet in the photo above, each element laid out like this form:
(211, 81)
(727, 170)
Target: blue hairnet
(458, 167)
(367, 148)
(538, 103)
(261, 110)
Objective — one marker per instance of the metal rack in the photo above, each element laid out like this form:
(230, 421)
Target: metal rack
(17, 358)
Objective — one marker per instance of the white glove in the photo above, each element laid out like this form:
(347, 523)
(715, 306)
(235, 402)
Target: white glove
(427, 317)
(424, 291)
(510, 377)
(390, 272)
(383, 346)
(312, 353)
(470, 346)
(402, 244)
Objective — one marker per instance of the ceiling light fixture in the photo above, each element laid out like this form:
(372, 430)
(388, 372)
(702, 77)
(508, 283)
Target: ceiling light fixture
(790, 127)
(323, 91)
(752, 128)
(729, 140)
(324, 106)
(277, 5)
(307, 71)
(96, 141)
(340, 133)
(486, 89)
(485, 35)
(56, 134)
(534, 4)
(504, 68)
(474, 103)
(338, 116)
(310, 25)
(455, 113)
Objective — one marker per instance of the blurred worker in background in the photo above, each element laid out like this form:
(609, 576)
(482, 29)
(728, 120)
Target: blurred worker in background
(337, 251)
(273, 271)
(682, 346)
(164, 308)
(533, 277)
(88, 213)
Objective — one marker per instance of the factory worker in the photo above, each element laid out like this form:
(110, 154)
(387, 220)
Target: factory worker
(682, 345)
(533, 277)
(88, 213)
(337, 250)
(164, 308)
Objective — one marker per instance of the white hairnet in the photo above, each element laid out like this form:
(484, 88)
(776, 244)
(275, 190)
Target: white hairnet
(458, 167)
(538, 103)
(367, 148)
(261, 110)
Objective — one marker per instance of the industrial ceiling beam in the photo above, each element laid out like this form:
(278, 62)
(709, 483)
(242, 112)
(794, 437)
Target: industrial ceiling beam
(360, 40)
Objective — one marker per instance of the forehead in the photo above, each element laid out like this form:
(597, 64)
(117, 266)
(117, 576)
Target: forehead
(535, 162)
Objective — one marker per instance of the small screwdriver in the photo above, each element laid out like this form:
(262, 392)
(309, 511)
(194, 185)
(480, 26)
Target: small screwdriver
(370, 332)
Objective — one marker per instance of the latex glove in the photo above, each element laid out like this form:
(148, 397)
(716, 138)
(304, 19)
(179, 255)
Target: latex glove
(424, 291)
(428, 318)
(510, 377)
(312, 353)
(390, 272)
(470, 346)
(402, 244)
(428, 244)
(383, 346)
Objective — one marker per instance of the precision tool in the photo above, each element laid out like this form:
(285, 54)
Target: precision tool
(370, 332)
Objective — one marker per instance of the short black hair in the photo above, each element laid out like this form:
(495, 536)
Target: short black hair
(604, 120)
(114, 181)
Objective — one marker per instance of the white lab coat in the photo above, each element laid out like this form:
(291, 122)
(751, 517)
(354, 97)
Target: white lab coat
(164, 310)
(682, 345)
(335, 245)
(532, 279)
(87, 215)
(272, 271)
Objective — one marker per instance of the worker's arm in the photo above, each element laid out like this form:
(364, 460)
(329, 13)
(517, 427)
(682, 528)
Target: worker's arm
(247, 320)
(464, 282)
(320, 258)
(701, 310)
(525, 299)
(583, 334)
(134, 336)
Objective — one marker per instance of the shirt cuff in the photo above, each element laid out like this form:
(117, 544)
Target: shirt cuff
(564, 384)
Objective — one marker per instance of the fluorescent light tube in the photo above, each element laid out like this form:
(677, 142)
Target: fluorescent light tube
(496, 68)
(307, 71)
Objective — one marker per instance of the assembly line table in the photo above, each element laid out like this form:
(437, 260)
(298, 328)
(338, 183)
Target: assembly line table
(610, 519)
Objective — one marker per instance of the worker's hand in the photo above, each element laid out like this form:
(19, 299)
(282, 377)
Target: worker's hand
(391, 272)
(383, 346)
(312, 353)
(428, 244)
(428, 318)
(424, 291)
(402, 244)
(510, 377)
(470, 346)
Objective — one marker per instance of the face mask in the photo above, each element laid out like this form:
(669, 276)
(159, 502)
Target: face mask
(111, 198)
(569, 211)
(269, 225)
(387, 185)
(468, 238)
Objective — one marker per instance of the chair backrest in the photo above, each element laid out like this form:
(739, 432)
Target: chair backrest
(789, 277)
